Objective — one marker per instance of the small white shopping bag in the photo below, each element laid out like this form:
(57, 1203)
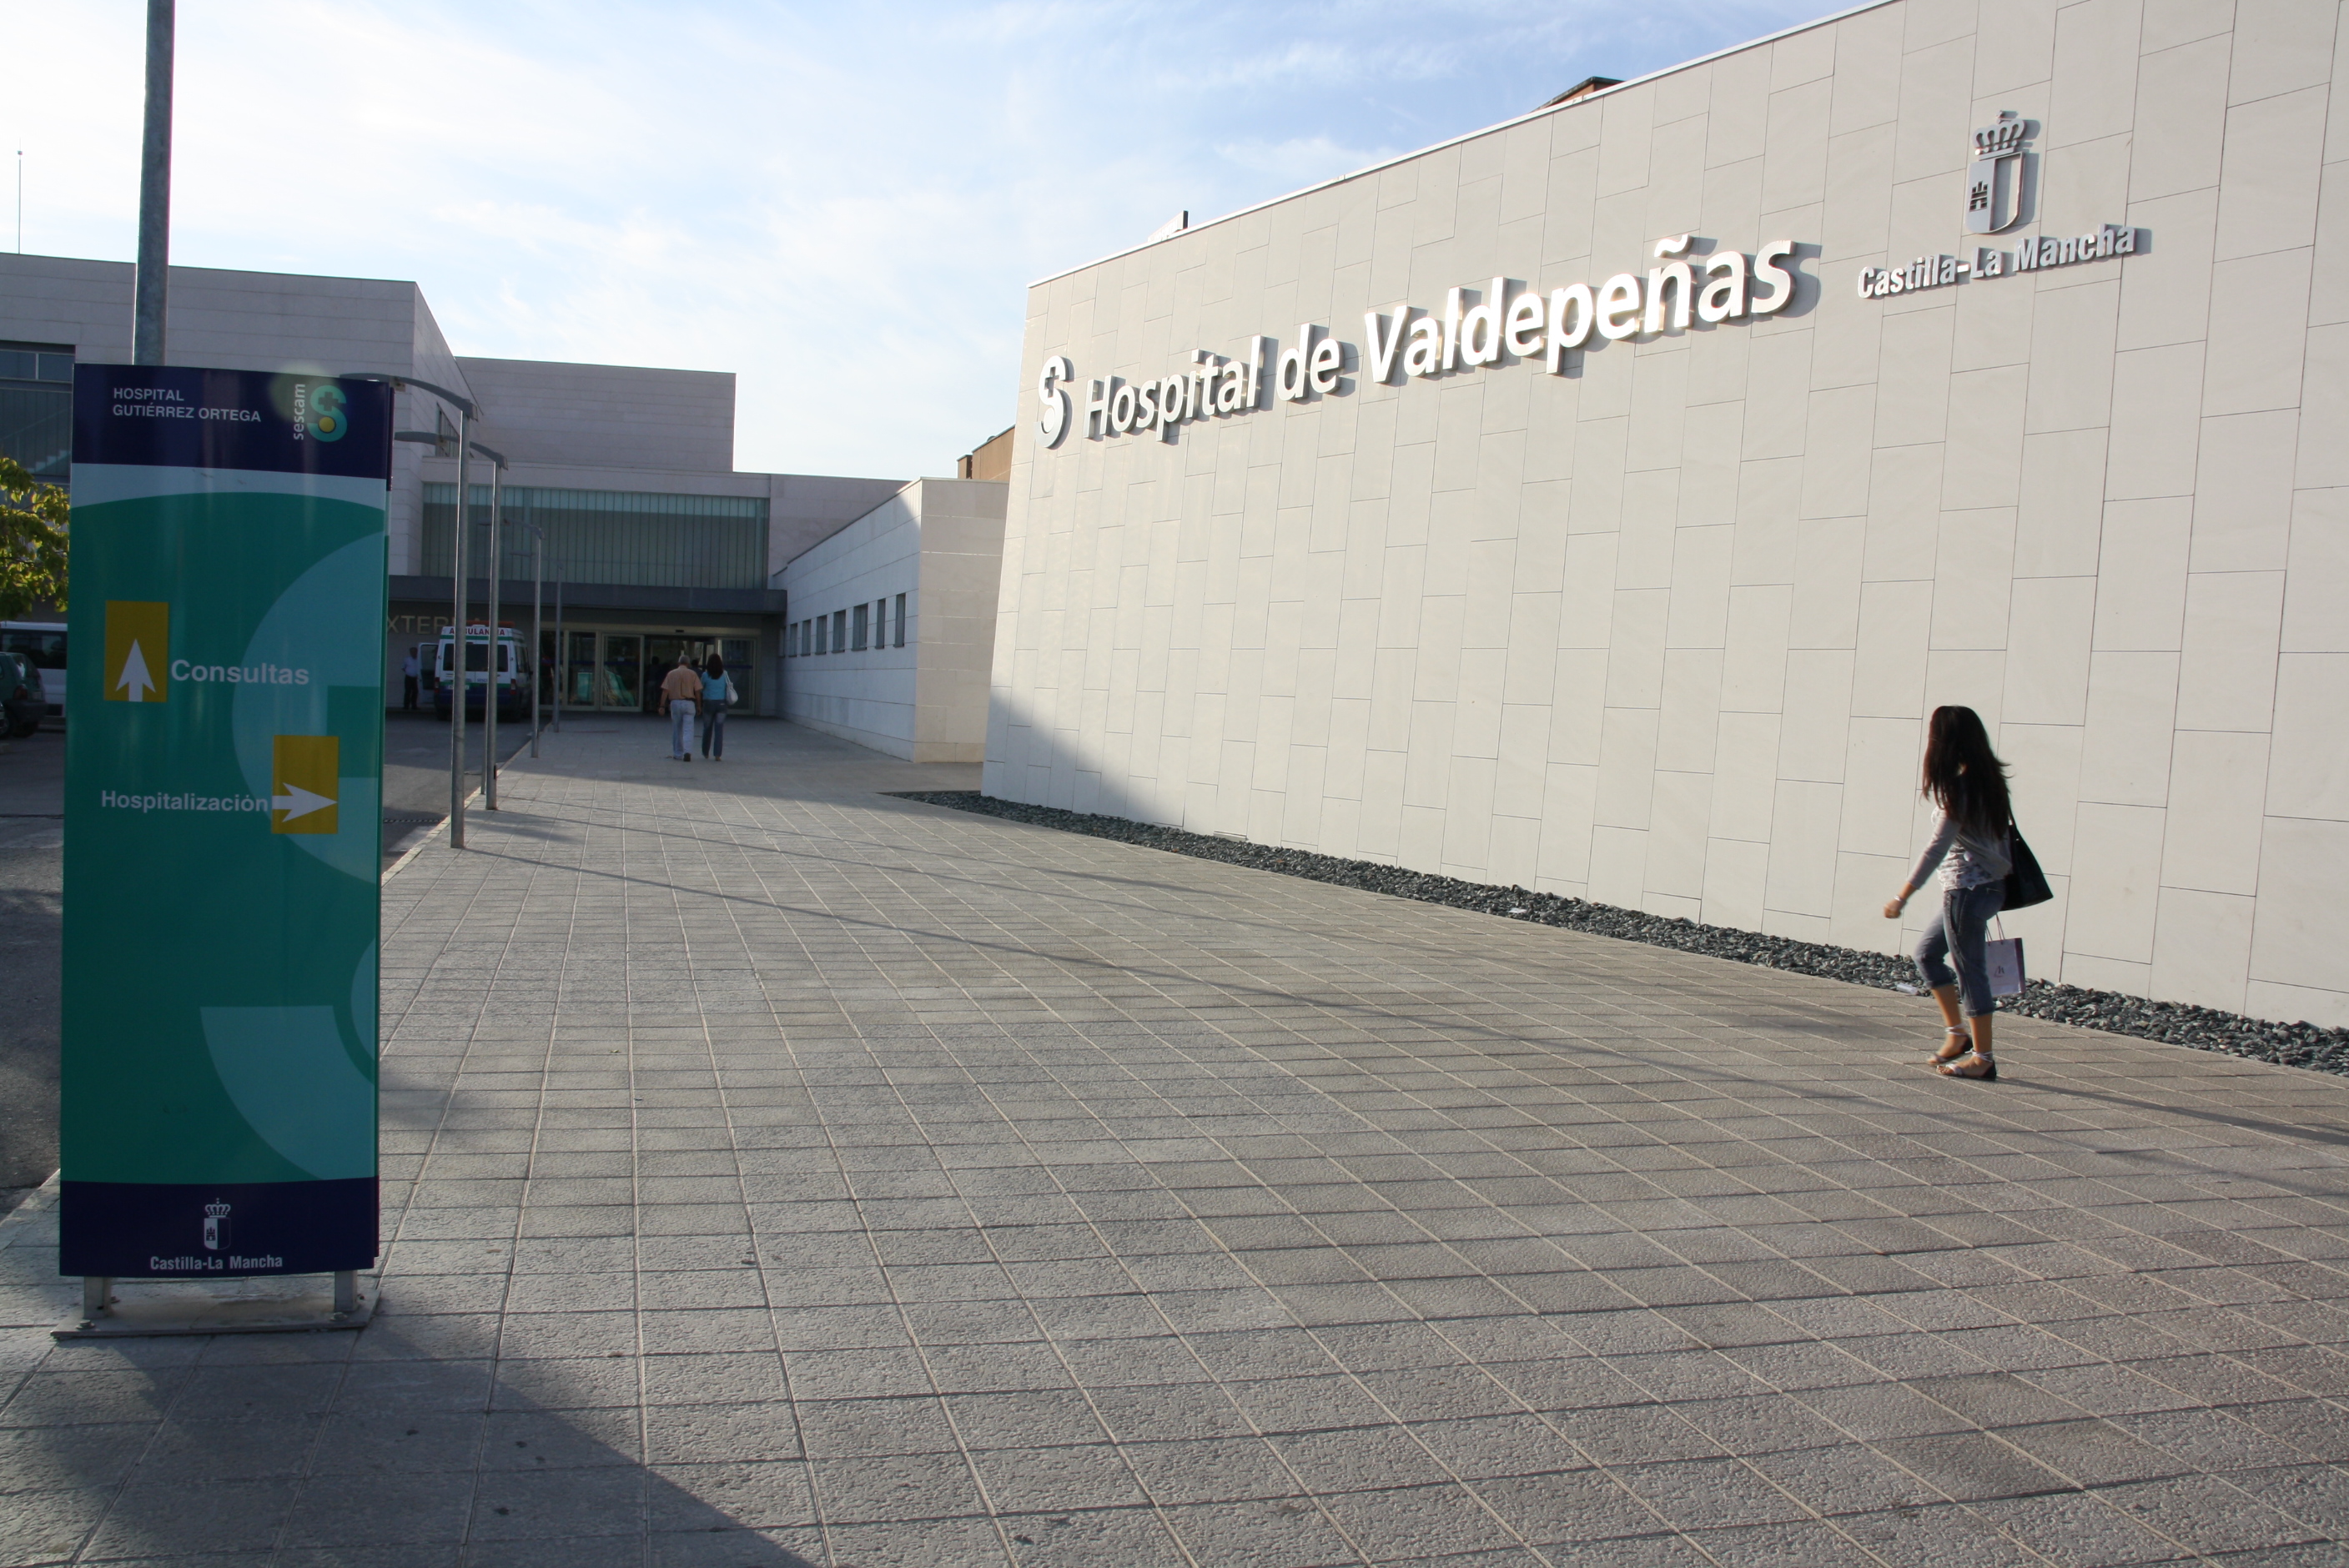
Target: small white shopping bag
(2004, 961)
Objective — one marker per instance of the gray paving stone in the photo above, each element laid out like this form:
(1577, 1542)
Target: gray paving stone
(780, 1173)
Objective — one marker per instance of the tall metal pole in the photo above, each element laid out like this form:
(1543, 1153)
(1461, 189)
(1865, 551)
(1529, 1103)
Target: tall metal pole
(458, 537)
(537, 622)
(490, 697)
(561, 655)
(151, 285)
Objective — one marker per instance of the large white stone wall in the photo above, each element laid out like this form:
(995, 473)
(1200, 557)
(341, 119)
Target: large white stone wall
(606, 416)
(940, 543)
(1662, 632)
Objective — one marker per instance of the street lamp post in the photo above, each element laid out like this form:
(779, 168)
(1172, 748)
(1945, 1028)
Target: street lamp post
(561, 655)
(538, 573)
(465, 412)
(489, 693)
(537, 621)
(152, 279)
(537, 617)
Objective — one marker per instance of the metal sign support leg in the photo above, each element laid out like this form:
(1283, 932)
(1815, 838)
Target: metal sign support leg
(181, 1309)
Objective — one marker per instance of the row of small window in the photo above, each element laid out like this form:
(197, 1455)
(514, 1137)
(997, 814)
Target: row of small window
(36, 362)
(852, 630)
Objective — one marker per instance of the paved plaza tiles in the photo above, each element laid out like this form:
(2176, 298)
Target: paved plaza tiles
(779, 1173)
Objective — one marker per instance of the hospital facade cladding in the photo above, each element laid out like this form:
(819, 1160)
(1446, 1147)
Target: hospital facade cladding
(1598, 503)
(659, 543)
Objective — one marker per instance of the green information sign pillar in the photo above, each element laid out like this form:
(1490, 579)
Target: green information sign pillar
(224, 763)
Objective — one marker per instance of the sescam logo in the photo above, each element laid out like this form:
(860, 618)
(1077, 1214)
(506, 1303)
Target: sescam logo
(318, 412)
(1509, 322)
(1995, 184)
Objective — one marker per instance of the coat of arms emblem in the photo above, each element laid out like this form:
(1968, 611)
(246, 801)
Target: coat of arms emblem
(1995, 180)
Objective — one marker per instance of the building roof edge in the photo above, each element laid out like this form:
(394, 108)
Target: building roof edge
(1583, 101)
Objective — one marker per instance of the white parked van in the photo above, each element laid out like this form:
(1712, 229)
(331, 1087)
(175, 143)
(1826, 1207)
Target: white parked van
(513, 674)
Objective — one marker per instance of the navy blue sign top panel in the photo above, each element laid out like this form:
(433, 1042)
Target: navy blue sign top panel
(170, 416)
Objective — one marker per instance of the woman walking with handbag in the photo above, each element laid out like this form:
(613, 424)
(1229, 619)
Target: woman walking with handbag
(1973, 846)
(716, 693)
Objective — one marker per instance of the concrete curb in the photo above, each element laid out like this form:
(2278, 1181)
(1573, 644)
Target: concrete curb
(38, 1206)
(430, 833)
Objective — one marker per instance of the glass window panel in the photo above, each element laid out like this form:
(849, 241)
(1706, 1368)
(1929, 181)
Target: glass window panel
(857, 627)
(901, 620)
(46, 649)
(37, 429)
(839, 630)
(36, 410)
(646, 539)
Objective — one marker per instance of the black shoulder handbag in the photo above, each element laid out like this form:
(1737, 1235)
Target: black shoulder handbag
(2026, 884)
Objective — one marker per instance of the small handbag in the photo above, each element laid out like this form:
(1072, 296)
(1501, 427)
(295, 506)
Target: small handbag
(2026, 884)
(2002, 958)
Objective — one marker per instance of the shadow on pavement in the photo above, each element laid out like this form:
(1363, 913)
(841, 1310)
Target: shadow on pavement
(407, 1443)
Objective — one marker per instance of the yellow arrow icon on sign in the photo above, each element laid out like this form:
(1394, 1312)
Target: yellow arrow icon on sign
(303, 782)
(138, 647)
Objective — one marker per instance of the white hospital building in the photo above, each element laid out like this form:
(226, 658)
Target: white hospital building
(1599, 502)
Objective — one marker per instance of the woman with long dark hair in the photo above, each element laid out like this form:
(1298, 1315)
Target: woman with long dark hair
(1972, 846)
(717, 695)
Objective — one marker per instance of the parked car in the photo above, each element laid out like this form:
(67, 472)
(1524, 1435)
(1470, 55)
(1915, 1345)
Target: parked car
(22, 703)
(43, 644)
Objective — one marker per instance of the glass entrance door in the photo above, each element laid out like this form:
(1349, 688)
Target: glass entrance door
(737, 654)
(621, 682)
(579, 670)
(622, 671)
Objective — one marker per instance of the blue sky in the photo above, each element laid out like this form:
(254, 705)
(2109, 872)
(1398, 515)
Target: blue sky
(843, 204)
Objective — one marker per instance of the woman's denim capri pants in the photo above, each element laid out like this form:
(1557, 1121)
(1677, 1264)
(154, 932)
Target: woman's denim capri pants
(1959, 934)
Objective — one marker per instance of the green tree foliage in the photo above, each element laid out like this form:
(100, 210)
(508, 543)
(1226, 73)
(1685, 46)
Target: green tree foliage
(33, 525)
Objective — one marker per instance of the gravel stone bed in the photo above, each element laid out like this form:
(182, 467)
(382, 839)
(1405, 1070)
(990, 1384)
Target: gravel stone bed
(2203, 1029)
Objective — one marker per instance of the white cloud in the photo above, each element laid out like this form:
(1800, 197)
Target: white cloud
(842, 204)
